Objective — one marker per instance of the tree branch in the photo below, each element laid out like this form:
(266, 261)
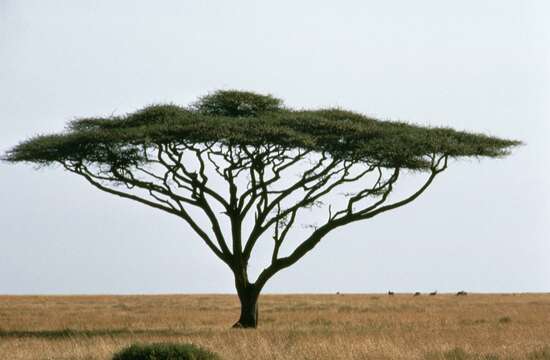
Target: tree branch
(330, 225)
(82, 170)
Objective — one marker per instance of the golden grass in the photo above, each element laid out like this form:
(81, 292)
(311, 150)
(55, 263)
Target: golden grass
(291, 326)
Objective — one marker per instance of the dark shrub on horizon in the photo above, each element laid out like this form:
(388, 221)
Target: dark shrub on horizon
(165, 351)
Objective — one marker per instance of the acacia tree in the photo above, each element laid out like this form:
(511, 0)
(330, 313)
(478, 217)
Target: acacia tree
(248, 167)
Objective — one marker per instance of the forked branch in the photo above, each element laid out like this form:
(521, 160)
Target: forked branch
(439, 164)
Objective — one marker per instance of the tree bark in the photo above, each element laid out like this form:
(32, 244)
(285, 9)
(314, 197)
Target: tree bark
(248, 296)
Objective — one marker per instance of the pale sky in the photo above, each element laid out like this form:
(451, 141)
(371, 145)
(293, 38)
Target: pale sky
(474, 65)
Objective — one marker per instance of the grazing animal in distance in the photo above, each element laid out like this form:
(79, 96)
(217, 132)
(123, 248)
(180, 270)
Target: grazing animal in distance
(391, 293)
(433, 293)
(416, 294)
(461, 293)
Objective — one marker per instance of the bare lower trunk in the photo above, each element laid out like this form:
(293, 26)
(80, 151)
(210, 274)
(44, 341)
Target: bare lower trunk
(249, 307)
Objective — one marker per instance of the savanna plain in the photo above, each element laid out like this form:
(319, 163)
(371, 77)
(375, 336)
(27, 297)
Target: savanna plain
(338, 326)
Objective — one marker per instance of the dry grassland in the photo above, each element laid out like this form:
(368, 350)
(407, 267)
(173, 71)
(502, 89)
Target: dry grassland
(291, 326)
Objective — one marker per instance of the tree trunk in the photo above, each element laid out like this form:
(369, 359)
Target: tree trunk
(249, 307)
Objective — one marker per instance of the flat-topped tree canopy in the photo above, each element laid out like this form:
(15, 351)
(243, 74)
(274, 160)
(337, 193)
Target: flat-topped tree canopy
(241, 118)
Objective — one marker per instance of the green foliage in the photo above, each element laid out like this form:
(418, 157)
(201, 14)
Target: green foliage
(165, 352)
(236, 103)
(244, 118)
